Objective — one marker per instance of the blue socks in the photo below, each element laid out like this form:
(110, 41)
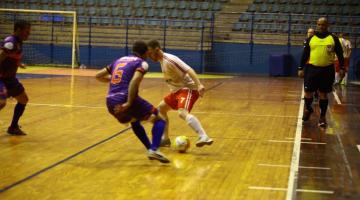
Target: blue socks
(141, 134)
(157, 132)
(18, 111)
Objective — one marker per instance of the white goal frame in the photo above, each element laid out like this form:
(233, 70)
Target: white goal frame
(74, 29)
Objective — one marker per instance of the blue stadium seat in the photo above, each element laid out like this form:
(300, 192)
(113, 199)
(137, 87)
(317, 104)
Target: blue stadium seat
(245, 17)
(193, 5)
(259, 1)
(115, 12)
(282, 1)
(68, 2)
(80, 10)
(171, 4)
(127, 12)
(207, 15)
(270, 1)
(92, 11)
(148, 4)
(102, 3)
(186, 14)
(90, 3)
(162, 13)
(275, 8)
(125, 3)
(238, 26)
(114, 3)
(197, 15)
(117, 21)
(139, 12)
(150, 13)
(160, 4)
(251, 8)
(103, 11)
(79, 3)
(174, 13)
(138, 3)
(105, 21)
(263, 8)
(182, 5)
(216, 6)
(297, 18)
(205, 6)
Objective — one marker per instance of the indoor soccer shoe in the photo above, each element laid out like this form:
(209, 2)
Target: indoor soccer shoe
(204, 141)
(322, 122)
(165, 142)
(15, 131)
(157, 155)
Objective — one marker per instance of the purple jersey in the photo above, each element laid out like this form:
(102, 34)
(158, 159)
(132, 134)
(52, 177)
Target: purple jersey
(12, 46)
(122, 70)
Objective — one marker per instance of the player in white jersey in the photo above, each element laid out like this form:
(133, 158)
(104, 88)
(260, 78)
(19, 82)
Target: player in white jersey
(185, 89)
(346, 47)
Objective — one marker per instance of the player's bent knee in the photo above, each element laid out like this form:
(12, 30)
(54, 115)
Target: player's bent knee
(182, 113)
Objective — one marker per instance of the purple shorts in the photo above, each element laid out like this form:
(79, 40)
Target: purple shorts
(140, 109)
(13, 86)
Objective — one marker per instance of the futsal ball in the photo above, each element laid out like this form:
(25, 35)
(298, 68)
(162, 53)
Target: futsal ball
(181, 143)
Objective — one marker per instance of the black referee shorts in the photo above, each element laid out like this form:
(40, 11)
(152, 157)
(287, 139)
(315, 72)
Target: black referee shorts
(319, 78)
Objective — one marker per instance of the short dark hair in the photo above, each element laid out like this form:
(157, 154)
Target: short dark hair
(139, 48)
(21, 24)
(154, 44)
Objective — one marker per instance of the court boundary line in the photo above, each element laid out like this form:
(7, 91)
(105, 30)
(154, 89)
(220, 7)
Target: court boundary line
(8, 187)
(287, 166)
(297, 190)
(337, 99)
(295, 158)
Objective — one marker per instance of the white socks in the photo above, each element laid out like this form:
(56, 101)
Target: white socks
(195, 124)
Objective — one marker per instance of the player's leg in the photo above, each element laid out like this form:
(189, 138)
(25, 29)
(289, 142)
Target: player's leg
(164, 109)
(326, 82)
(3, 95)
(337, 69)
(140, 133)
(310, 86)
(143, 110)
(186, 100)
(16, 90)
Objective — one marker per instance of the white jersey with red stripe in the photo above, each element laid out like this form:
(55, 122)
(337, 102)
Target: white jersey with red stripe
(175, 73)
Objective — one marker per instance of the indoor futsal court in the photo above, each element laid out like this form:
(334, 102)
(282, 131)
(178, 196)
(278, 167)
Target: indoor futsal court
(75, 150)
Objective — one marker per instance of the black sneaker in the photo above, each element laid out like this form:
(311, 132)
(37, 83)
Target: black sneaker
(15, 131)
(307, 114)
(322, 122)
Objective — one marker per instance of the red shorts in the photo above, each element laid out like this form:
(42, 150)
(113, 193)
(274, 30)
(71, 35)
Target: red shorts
(183, 98)
(346, 65)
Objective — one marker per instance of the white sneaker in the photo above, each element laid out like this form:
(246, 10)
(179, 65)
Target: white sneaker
(205, 140)
(157, 155)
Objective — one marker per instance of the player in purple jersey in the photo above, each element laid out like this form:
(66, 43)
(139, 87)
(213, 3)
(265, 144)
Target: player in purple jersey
(10, 60)
(123, 102)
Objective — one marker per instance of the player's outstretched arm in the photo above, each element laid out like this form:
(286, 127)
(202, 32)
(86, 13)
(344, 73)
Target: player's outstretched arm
(194, 77)
(103, 75)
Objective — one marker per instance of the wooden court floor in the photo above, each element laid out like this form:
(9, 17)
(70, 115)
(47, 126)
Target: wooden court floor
(75, 150)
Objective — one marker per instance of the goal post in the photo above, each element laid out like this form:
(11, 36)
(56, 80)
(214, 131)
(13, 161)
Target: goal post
(49, 27)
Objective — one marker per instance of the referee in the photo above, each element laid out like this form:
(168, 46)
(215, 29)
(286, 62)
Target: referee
(317, 68)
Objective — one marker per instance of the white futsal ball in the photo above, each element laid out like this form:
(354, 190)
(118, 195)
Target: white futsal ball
(181, 143)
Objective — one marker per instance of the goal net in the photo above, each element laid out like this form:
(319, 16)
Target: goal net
(53, 38)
